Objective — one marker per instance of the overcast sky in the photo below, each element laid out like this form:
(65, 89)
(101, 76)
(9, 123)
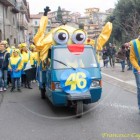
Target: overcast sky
(37, 6)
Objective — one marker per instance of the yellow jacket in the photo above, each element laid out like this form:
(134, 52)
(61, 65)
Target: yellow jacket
(9, 50)
(35, 56)
(133, 58)
(14, 60)
(27, 57)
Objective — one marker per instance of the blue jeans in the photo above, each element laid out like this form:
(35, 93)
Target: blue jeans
(137, 76)
(129, 65)
(123, 64)
(3, 78)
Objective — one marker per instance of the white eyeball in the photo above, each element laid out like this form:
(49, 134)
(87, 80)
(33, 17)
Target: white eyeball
(61, 37)
(79, 36)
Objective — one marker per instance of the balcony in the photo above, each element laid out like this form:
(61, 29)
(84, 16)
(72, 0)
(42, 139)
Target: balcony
(22, 7)
(23, 25)
(16, 8)
(7, 2)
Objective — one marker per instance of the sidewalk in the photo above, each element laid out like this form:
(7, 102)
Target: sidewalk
(115, 76)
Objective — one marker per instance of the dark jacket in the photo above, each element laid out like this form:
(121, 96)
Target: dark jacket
(4, 60)
(111, 51)
(105, 54)
(128, 54)
(122, 54)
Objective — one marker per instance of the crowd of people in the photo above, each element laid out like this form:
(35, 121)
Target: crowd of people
(13, 62)
(111, 55)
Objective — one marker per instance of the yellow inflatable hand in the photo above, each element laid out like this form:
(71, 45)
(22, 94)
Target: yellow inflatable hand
(104, 36)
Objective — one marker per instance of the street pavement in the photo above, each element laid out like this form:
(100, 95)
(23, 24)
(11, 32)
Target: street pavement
(25, 116)
(115, 76)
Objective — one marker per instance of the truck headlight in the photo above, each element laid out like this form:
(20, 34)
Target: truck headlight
(95, 83)
(55, 85)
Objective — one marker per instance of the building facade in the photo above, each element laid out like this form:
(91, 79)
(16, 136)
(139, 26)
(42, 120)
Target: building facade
(14, 16)
(71, 19)
(93, 21)
(34, 24)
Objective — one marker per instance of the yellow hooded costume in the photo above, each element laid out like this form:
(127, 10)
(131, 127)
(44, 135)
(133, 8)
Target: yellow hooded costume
(14, 60)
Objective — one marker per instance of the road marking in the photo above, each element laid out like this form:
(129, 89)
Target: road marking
(115, 78)
(116, 105)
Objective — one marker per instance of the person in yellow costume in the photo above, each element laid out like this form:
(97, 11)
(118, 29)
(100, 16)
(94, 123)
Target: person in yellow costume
(135, 61)
(26, 58)
(44, 42)
(15, 66)
(34, 54)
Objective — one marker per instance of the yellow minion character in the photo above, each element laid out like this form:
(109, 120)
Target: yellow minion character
(26, 55)
(15, 57)
(32, 46)
(34, 54)
(67, 35)
(15, 66)
(23, 46)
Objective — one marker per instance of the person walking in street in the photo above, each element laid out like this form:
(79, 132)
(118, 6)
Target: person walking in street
(15, 66)
(122, 57)
(127, 46)
(105, 57)
(135, 61)
(111, 53)
(4, 60)
(27, 59)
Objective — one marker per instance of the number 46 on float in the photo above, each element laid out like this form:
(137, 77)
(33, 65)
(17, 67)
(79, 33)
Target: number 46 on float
(75, 81)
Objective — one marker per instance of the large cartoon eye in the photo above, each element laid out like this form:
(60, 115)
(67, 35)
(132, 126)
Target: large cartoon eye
(61, 37)
(79, 37)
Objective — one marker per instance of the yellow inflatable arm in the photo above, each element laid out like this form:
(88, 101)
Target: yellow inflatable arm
(42, 42)
(40, 34)
(104, 36)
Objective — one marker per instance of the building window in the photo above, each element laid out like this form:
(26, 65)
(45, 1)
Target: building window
(15, 41)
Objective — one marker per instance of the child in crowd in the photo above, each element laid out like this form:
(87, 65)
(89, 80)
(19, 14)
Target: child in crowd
(15, 66)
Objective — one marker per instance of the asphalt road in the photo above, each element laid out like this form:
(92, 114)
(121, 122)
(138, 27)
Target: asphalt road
(24, 116)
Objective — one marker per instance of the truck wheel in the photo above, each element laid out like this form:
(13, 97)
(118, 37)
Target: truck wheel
(79, 109)
(43, 95)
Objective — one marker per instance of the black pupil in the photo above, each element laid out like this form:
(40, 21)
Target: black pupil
(62, 36)
(79, 37)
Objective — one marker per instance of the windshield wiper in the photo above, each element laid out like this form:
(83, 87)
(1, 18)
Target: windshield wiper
(63, 63)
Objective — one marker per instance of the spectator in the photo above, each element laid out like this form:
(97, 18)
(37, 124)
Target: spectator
(122, 56)
(128, 55)
(105, 57)
(4, 60)
(111, 53)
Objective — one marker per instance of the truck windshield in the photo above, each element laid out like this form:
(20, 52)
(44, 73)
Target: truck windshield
(85, 60)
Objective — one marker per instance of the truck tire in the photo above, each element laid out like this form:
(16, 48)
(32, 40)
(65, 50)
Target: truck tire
(79, 109)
